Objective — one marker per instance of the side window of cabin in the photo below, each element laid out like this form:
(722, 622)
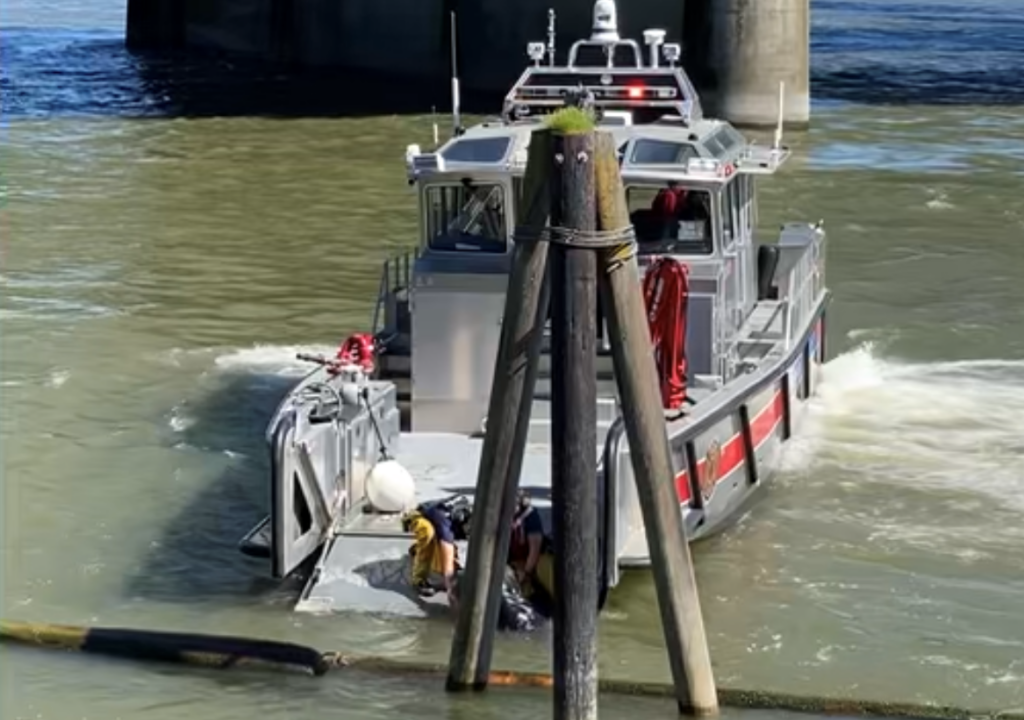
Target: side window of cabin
(671, 218)
(732, 213)
(728, 219)
(466, 217)
(748, 204)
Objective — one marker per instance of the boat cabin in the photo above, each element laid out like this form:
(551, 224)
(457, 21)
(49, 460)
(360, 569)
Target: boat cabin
(691, 195)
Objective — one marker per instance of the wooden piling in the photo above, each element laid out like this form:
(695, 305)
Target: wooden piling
(636, 376)
(508, 420)
(573, 422)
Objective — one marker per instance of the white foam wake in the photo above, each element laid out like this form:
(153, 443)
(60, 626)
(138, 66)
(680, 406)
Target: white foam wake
(943, 425)
(258, 359)
(271, 359)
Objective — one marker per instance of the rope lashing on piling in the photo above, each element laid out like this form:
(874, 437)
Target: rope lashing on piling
(570, 237)
(223, 652)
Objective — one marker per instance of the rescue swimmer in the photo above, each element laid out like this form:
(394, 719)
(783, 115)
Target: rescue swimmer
(530, 555)
(436, 527)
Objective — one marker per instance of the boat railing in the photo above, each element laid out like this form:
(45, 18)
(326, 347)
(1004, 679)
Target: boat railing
(764, 332)
(616, 503)
(395, 277)
(803, 291)
(609, 49)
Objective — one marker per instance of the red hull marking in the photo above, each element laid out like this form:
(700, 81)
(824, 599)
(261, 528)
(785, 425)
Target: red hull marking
(761, 426)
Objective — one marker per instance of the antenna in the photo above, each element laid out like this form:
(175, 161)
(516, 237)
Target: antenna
(433, 115)
(456, 117)
(654, 40)
(778, 127)
(551, 37)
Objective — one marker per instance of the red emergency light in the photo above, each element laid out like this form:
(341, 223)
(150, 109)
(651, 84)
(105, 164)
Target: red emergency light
(635, 92)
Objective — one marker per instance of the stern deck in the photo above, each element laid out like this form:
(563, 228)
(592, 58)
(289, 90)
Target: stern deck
(365, 567)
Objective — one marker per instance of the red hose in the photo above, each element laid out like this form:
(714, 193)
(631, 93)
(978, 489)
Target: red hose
(666, 291)
(358, 349)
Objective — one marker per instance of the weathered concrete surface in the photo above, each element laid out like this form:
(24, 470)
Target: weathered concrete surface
(738, 52)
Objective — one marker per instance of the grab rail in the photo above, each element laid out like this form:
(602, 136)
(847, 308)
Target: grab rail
(396, 274)
(610, 463)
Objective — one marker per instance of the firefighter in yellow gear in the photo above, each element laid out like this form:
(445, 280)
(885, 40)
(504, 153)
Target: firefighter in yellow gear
(436, 527)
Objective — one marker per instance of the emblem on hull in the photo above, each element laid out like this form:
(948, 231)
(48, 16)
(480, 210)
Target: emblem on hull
(712, 463)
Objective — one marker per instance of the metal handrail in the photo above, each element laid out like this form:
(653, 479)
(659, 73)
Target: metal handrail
(396, 273)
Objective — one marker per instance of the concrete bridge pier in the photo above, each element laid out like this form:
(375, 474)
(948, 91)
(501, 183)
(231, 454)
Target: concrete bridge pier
(738, 51)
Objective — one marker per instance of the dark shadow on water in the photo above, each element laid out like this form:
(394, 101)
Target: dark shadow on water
(47, 72)
(877, 84)
(195, 85)
(53, 72)
(197, 558)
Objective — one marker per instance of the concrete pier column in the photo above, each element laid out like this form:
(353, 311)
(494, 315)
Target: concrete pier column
(744, 49)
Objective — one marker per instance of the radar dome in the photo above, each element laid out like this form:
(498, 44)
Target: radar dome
(390, 488)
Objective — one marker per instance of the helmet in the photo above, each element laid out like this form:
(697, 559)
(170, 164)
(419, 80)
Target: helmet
(461, 515)
(522, 500)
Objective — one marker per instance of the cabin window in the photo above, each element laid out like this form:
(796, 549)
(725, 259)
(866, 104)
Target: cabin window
(748, 204)
(661, 152)
(672, 217)
(467, 217)
(732, 214)
(477, 150)
(727, 138)
(714, 147)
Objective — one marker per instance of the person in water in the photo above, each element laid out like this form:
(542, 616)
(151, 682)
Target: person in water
(530, 555)
(436, 527)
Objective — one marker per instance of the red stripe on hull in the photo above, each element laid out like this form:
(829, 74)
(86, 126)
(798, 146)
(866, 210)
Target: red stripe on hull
(761, 426)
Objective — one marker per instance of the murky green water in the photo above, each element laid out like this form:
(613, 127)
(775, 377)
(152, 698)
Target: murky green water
(160, 274)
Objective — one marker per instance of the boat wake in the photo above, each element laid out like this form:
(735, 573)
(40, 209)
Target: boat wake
(952, 429)
(275, 360)
(271, 359)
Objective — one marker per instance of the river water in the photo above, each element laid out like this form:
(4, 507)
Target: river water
(159, 274)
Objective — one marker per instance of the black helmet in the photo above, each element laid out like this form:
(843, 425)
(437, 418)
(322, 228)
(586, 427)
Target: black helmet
(460, 512)
(461, 517)
(522, 499)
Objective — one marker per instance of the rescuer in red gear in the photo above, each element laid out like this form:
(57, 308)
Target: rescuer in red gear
(668, 204)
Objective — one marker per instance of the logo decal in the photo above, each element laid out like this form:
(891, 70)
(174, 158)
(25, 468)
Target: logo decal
(709, 477)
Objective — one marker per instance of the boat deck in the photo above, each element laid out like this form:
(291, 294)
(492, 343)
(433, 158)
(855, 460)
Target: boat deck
(365, 568)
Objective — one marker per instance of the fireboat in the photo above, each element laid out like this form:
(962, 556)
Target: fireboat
(398, 417)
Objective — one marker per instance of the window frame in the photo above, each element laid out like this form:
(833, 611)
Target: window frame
(656, 186)
(426, 235)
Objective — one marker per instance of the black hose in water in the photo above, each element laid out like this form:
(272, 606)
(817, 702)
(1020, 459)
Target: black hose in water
(216, 651)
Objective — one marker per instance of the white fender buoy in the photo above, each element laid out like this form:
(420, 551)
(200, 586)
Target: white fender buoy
(390, 488)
